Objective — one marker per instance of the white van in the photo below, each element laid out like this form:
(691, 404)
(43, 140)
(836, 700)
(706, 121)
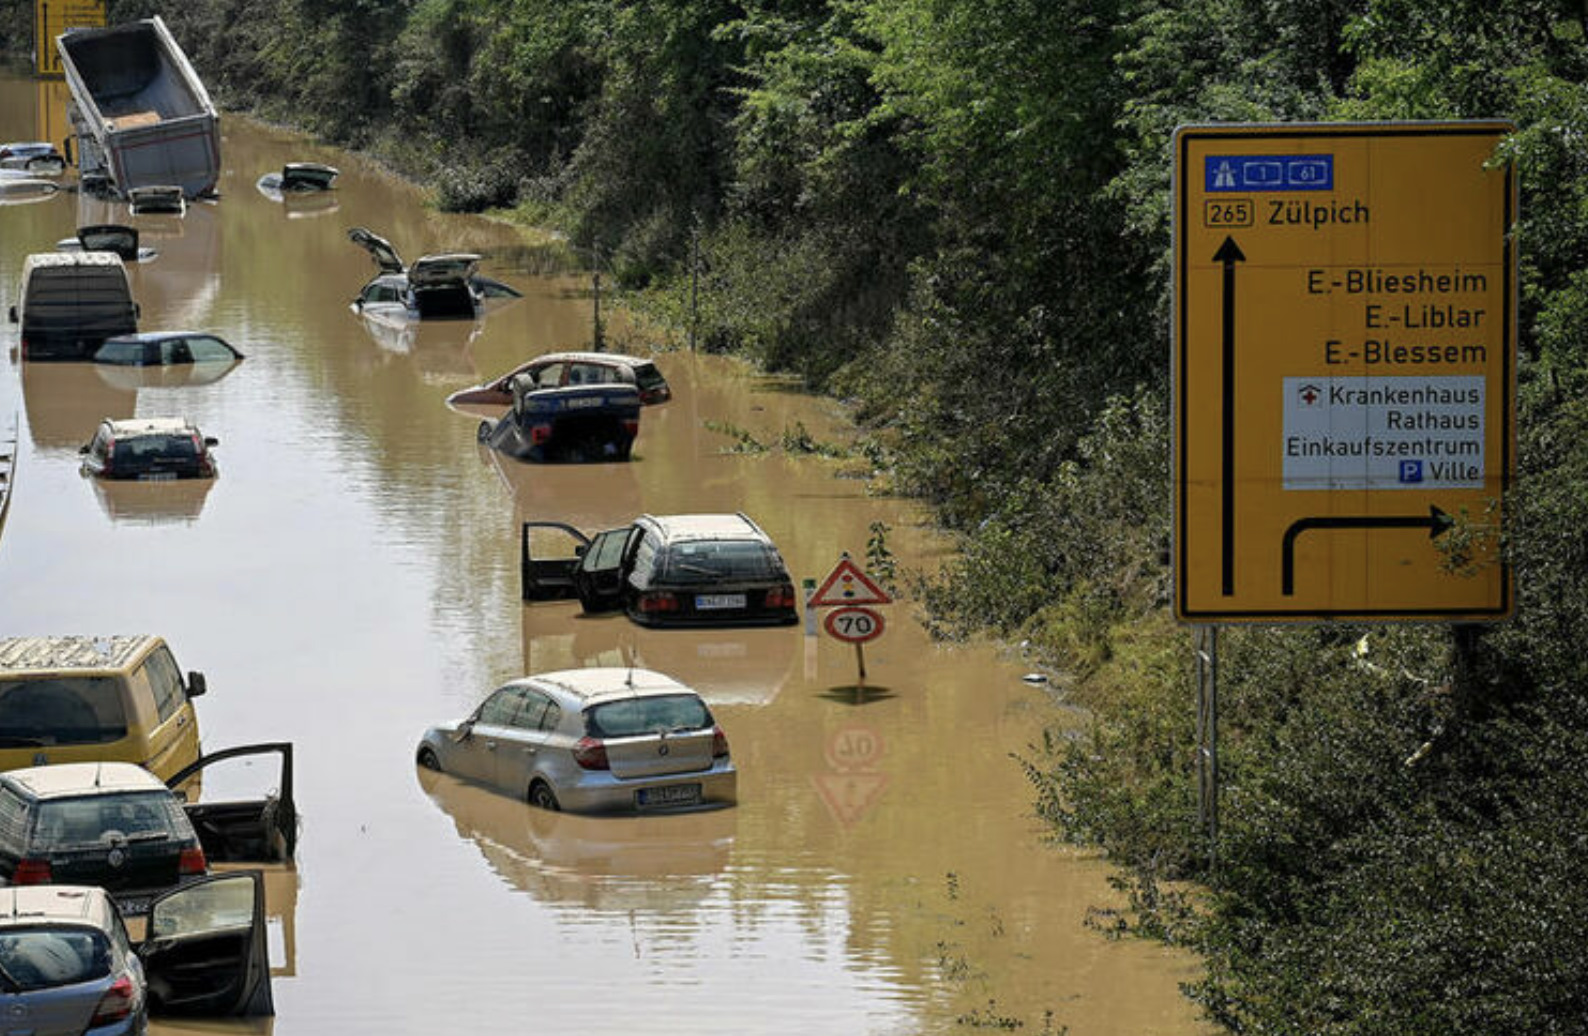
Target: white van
(70, 302)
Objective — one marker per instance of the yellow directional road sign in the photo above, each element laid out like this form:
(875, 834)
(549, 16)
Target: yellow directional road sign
(1345, 305)
(52, 18)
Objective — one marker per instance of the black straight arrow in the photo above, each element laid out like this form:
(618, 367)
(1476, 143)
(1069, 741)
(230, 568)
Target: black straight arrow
(1436, 522)
(1229, 254)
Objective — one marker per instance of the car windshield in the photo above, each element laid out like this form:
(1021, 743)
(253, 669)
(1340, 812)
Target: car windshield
(630, 717)
(45, 957)
(74, 710)
(134, 816)
(714, 561)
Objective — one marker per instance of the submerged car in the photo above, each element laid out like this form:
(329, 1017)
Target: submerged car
(298, 177)
(68, 965)
(665, 570)
(164, 348)
(557, 370)
(116, 238)
(577, 424)
(36, 157)
(150, 449)
(591, 740)
(445, 285)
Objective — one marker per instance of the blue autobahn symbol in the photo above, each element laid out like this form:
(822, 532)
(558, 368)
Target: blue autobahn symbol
(1268, 173)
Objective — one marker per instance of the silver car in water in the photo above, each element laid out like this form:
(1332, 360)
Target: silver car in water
(595, 740)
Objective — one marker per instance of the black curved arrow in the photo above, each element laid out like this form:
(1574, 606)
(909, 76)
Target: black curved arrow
(1436, 522)
(1229, 254)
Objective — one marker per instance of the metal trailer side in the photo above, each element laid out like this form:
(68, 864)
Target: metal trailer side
(142, 116)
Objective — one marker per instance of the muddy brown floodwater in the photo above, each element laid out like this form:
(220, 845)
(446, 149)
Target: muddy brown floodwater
(351, 578)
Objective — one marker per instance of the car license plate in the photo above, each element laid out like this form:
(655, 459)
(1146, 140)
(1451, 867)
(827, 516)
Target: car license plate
(670, 795)
(157, 476)
(708, 602)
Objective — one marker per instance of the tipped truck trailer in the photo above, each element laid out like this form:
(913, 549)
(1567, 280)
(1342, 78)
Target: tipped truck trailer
(141, 115)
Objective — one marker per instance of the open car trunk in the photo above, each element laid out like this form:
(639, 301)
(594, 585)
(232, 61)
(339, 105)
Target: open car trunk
(262, 829)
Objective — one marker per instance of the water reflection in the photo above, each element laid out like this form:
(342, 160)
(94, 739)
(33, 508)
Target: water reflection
(66, 401)
(438, 348)
(176, 375)
(151, 503)
(606, 864)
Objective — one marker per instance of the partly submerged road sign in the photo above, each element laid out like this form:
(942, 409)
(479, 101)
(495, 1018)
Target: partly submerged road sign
(1344, 345)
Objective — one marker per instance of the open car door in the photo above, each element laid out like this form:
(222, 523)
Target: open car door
(379, 249)
(547, 555)
(204, 951)
(261, 829)
(598, 577)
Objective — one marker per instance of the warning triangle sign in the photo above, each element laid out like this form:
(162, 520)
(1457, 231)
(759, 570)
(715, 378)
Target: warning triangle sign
(847, 584)
(849, 796)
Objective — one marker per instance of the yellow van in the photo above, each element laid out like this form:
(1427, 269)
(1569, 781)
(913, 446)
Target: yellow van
(80, 699)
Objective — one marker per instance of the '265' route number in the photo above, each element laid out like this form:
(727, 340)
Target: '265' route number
(854, 625)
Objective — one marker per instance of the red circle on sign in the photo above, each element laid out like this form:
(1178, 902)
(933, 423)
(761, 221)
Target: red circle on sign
(855, 625)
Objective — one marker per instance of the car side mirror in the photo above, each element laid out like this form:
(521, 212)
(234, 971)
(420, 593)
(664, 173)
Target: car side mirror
(210, 440)
(196, 684)
(465, 729)
(137, 311)
(83, 449)
(579, 550)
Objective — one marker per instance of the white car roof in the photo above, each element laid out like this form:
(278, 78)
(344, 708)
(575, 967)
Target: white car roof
(61, 779)
(137, 426)
(33, 904)
(609, 682)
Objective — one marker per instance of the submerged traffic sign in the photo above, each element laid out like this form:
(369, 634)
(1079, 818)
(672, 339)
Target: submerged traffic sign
(1343, 367)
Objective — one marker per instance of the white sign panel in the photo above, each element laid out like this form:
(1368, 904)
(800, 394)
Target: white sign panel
(1384, 433)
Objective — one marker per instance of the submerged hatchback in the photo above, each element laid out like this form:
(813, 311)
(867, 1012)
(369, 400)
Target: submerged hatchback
(115, 825)
(149, 449)
(595, 740)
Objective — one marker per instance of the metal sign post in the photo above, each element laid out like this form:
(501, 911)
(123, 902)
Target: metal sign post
(1207, 653)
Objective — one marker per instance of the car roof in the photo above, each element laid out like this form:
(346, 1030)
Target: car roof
(61, 780)
(134, 427)
(606, 359)
(24, 655)
(156, 336)
(45, 259)
(676, 528)
(604, 683)
(71, 904)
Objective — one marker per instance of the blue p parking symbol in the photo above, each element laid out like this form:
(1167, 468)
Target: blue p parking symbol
(1411, 471)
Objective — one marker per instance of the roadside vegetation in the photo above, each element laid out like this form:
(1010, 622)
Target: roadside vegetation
(956, 214)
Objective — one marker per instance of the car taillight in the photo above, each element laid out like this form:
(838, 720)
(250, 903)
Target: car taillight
(192, 862)
(591, 754)
(631, 428)
(539, 434)
(719, 743)
(31, 872)
(780, 596)
(116, 1004)
(652, 601)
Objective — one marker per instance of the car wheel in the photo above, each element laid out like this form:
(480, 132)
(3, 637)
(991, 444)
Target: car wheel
(427, 759)
(542, 797)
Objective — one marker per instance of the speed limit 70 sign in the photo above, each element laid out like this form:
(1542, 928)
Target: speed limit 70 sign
(854, 625)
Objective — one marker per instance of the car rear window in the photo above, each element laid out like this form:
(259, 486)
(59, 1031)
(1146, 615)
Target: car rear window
(646, 376)
(138, 816)
(46, 957)
(633, 716)
(710, 561)
(75, 710)
(155, 447)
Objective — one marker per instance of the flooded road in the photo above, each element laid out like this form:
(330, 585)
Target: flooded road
(351, 578)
